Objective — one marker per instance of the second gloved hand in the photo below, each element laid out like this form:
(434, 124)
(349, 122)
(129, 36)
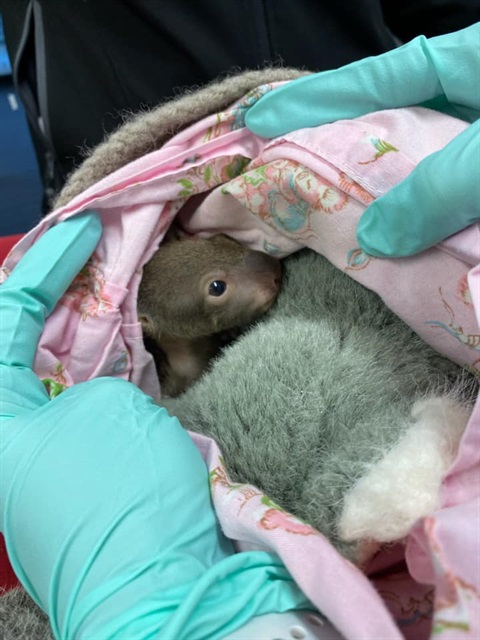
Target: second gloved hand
(441, 196)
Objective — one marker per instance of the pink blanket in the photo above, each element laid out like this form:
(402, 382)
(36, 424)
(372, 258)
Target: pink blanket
(307, 188)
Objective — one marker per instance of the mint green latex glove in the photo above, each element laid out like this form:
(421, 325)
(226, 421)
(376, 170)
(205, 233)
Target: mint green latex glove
(28, 296)
(104, 498)
(442, 195)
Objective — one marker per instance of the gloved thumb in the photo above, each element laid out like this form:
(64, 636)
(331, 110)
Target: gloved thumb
(38, 281)
(439, 198)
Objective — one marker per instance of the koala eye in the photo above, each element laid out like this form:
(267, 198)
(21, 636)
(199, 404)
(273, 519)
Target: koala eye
(217, 288)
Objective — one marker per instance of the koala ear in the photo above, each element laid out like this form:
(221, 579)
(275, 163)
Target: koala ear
(175, 233)
(148, 325)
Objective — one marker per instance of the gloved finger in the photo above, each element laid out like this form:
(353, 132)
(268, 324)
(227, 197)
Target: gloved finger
(38, 281)
(440, 197)
(20, 392)
(416, 72)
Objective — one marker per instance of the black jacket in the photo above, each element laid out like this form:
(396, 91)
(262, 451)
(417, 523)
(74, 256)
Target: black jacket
(78, 64)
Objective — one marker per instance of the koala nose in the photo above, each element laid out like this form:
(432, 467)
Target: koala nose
(265, 265)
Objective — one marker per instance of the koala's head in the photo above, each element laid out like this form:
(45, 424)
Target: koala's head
(196, 287)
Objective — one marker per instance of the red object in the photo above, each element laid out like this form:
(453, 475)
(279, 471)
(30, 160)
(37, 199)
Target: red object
(8, 579)
(6, 243)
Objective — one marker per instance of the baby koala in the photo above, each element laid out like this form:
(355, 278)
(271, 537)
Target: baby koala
(196, 294)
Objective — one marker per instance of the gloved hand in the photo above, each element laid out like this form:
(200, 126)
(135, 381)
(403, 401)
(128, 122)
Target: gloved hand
(442, 195)
(104, 499)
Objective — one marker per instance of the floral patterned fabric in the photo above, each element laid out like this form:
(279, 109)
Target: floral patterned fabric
(307, 188)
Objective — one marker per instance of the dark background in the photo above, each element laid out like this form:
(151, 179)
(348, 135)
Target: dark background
(78, 65)
(20, 185)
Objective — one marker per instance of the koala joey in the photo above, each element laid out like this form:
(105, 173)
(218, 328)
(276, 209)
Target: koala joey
(195, 295)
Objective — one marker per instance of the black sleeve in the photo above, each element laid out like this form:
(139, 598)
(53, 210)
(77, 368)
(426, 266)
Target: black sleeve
(79, 64)
(410, 18)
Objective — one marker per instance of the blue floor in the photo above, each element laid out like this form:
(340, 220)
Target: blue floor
(20, 185)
